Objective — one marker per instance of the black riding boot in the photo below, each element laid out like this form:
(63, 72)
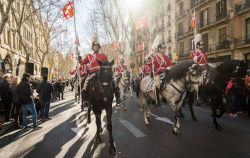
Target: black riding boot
(84, 97)
(117, 94)
(158, 97)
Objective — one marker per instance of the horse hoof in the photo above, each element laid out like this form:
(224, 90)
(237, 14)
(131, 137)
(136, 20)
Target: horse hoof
(218, 128)
(112, 150)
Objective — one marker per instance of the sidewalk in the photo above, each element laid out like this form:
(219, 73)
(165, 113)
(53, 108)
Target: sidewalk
(9, 125)
(6, 127)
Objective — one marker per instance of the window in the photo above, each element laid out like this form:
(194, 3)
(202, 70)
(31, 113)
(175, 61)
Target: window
(181, 47)
(14, 41)
(248, 29)
(221, 9)
(8, 37)
(181, 27)
(205, 41)
(181, 10)
(191, 44)
(204, 18)
(223, 34)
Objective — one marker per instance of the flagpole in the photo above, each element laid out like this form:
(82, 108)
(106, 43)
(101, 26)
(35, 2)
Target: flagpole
(77, 53)
(195, 32)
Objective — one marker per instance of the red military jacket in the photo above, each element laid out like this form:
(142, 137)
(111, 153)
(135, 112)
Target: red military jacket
(199, 57)
(121, 68)
(82, 69)
(147, 69)
(161, 63)
(91, 61)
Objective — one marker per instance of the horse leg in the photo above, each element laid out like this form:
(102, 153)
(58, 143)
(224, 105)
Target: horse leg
(216, 125)
(190, 104)
(181, 113)
(176, 129)
(89, 117)
(112, 149)
(98, 126)
(145, 115)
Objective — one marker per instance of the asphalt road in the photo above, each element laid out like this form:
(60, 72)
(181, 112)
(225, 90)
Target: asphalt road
(68, 135)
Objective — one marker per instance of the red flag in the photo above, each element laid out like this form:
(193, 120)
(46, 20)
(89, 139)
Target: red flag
(193, 22)
(140, 46)
(68, 10)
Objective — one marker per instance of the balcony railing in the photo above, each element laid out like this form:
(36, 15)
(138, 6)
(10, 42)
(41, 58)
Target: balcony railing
(243, 41)
(195, 3)
(240, 8)
(210, 48)
(214, 20)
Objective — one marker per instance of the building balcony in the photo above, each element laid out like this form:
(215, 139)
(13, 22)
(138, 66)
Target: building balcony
(197, 3)
(214, 20)
(240, 8)
(242, 42)
(209, 49)
(218, 46)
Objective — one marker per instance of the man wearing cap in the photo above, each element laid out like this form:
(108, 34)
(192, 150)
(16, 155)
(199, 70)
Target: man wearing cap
(199, 56)
(91, 62)
(162, 64)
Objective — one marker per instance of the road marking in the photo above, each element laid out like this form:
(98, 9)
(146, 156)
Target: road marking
(135, 131)
(163, 119)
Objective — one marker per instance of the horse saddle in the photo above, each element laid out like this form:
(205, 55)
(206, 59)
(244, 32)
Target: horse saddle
(150, 86)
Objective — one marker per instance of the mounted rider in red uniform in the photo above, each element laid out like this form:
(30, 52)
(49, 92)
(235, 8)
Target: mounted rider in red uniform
(121, 67)
(199, 56)
(147, 67)
(93, 67)
(162, 64)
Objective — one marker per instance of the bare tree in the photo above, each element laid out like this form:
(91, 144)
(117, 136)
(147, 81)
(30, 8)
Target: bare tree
(111, 23)
(4, 13)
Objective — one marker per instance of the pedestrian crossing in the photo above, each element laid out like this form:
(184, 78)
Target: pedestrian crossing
(131, 128)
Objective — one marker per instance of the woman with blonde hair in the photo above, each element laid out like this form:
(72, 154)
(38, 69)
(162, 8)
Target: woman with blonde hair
(16, 105)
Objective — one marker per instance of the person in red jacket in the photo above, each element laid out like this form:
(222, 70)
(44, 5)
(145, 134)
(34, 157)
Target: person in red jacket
(121, 67)
(199, 56)
(162, 64)
(147, 68)
(91, 62)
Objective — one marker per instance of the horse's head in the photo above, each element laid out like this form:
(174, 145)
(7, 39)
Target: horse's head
(105, 73)
(195, 77)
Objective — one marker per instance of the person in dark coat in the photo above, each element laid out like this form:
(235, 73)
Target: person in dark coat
(6, 96)
(59, 86)
(26, 99)
(16, 104)
(45, 90)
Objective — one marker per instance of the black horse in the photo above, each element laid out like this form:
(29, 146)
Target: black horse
(100, 96)
(215, 88)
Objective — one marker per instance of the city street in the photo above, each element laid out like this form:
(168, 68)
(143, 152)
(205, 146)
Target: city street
(68, 135)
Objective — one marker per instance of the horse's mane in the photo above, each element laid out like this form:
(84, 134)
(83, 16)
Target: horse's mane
(223, 72)
(179, 70)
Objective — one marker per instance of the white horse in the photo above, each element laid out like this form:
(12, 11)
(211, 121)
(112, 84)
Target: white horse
(174, 91)
(125, 88)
